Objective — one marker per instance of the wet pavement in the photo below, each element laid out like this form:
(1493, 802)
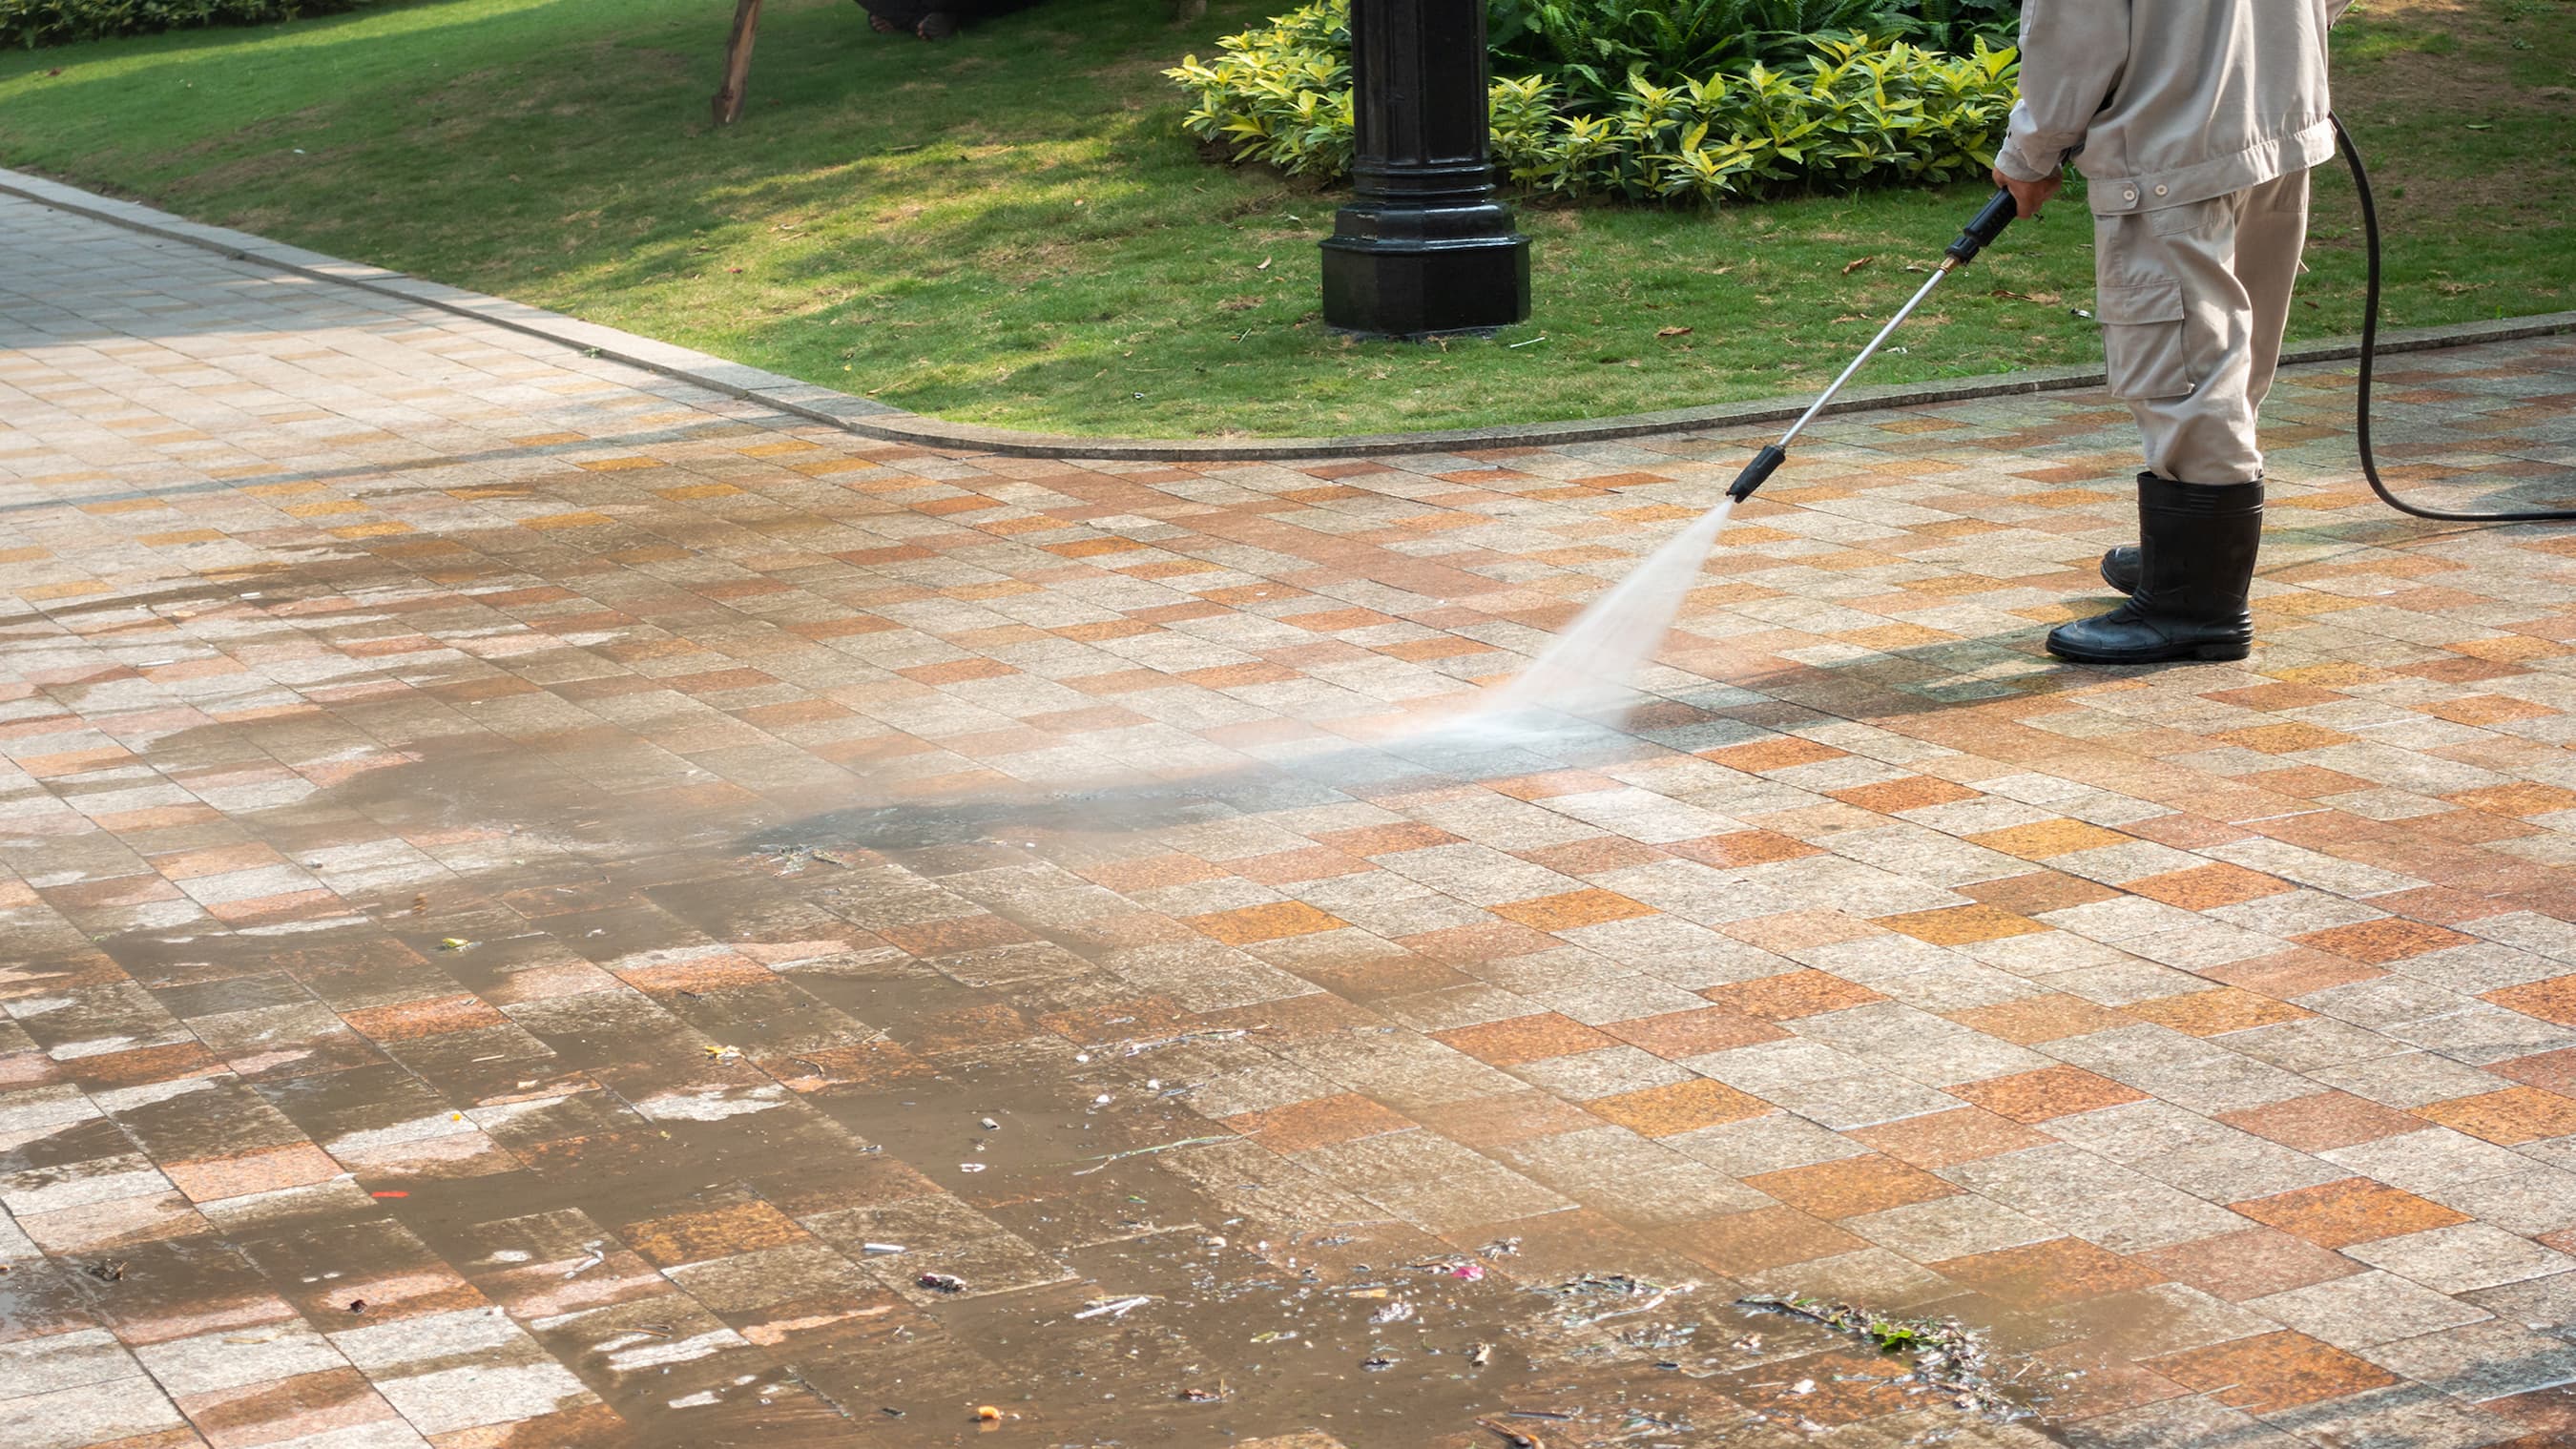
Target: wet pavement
(547, 907)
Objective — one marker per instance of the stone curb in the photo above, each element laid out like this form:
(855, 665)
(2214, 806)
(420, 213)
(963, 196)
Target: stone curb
(877, 420)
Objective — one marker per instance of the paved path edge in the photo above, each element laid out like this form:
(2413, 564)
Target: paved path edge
(873, 419)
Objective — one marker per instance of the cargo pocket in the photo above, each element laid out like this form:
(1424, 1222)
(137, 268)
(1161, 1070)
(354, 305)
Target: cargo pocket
(2142, 341)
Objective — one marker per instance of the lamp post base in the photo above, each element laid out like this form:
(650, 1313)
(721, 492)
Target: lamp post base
(1410, 288)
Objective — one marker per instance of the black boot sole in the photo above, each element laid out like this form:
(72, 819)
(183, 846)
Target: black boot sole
(2215, 651)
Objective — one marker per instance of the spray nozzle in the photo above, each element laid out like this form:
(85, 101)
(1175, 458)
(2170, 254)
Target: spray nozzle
(1757, 472)
(1989, 224)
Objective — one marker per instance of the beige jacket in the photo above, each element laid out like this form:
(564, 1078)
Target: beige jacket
(2171, 101)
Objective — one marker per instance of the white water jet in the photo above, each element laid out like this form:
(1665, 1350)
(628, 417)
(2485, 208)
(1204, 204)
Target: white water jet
(1585, 674)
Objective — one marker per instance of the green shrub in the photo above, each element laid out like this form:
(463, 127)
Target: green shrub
(1590, 48)
(1857, 110)
(58, 22)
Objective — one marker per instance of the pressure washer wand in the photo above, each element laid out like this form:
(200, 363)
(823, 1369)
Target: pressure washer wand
(1980, 234)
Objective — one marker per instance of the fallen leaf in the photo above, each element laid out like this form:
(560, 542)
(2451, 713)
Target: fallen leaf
(1854, 266)
(1672, 332)
(1265, 265)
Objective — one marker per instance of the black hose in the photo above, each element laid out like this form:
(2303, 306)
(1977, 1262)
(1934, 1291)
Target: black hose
(2369, 358)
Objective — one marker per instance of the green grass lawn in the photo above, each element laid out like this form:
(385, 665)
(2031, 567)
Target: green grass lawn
(1010, 229)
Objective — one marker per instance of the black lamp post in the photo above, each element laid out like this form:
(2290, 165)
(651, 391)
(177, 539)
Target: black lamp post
(1423, 247)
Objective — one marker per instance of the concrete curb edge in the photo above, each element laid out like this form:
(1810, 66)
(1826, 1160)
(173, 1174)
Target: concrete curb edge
(877, 420)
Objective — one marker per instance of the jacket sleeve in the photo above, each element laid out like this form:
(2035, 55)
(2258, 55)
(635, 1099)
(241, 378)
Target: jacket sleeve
(2072, 55)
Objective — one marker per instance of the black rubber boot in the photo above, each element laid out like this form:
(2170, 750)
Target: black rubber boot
(2196, 546)
(2120, 568)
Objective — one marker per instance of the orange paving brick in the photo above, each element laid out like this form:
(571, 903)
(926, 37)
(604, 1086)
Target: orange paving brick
(2517, 800)
(2550, 1000)
(1763, 756)
(1678, 1034)
(2283, 739)
(1319, 1123)
(1911, 793)
(2206, 887)
(1679, 1107)
(1526, 1039)
(1572, 910)
(2293, 972)
(2038, 892)
(270, 1169)
(2049, 1092)
(2510, 1117)
(1790, 995)
(1588, 857)
(2042, 839)
(2029, 1019)
(717, 1232)
(2249, 1264)
(1940, 1139)
(2323, 1122)
(2272, 1372)
(2215, 1013)
(1386, 839)
(2048, 1274)
(1506, 1118)
(1743, 847)
(954, 935)
(1264, 923)
(2348, 1211)
(1751, 1242)
(405, 1021)
(1851, 1186)
(2391, 938)
(1962, 925)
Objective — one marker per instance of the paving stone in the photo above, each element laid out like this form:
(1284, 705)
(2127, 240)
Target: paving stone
(526, 877)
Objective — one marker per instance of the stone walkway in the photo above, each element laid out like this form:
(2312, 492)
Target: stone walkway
(524, 879)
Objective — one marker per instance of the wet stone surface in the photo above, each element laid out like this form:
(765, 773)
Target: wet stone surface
(548, 909)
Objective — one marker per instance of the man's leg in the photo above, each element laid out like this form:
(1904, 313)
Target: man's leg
(2180, 332)
(2269, 242)
(2203, 431)
(2270, 237)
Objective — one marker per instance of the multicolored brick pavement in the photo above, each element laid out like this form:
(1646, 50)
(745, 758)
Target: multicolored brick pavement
(525, 878)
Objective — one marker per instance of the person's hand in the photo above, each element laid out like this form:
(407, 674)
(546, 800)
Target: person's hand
(2030, 195)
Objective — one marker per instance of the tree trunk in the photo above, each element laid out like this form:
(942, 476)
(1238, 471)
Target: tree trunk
(737, 71)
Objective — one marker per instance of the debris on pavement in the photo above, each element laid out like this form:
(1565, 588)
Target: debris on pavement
(942, 1282)
(796, 859)
(1106, 1159)
(1947, 1357)
(1115, 1307)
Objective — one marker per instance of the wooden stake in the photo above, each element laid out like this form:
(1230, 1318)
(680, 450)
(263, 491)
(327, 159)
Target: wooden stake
(737, 72)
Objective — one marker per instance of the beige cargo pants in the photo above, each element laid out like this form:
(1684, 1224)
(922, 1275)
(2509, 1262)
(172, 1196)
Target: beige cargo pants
(2192, 302)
